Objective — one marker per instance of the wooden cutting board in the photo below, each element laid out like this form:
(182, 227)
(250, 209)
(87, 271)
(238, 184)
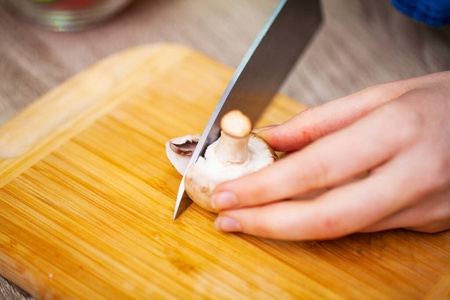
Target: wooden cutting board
(87, 197)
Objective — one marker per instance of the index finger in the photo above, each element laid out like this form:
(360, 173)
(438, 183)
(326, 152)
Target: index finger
(316, 122)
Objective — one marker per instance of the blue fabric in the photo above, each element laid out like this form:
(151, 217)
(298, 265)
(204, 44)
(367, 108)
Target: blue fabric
(432, 12)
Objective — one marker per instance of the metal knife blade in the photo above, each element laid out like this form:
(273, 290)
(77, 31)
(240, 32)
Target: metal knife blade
(262, 71)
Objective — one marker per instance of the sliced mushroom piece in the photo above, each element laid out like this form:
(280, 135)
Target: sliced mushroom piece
(179, 151)
(236, 153)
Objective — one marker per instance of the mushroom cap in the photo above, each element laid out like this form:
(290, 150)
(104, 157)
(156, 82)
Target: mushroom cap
(203, 176)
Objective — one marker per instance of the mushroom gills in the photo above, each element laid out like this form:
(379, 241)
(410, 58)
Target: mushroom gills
(179, 151)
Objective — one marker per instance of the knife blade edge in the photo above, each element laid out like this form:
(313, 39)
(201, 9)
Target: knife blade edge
(212, 129)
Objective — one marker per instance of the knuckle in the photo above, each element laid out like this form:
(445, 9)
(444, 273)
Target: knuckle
(401, 125)
(408, 124)
(437, 175)
(330, 226)
(432, 172)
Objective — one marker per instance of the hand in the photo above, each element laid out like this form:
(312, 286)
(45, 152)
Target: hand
(396, 133)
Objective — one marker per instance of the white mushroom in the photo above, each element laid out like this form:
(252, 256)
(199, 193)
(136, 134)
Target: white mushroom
(237, 152)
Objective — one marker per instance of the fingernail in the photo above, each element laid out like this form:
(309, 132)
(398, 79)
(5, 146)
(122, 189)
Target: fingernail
(227, 224)
(224, 200)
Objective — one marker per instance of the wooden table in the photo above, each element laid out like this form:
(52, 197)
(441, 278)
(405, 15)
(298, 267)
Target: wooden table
(360, 44)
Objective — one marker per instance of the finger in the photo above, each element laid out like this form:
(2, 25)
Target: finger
(333, 159)
(339, 212)
(430, 215)
(321, 120)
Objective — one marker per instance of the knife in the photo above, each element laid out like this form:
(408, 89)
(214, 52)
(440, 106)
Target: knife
(261, 72)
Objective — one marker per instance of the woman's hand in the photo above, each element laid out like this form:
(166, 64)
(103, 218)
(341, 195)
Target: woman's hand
(397, 133)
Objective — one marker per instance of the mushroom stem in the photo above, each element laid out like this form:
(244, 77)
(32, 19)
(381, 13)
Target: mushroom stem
(233, 144)
(231, 149)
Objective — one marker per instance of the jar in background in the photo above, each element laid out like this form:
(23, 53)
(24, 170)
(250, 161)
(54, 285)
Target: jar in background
(68, 15)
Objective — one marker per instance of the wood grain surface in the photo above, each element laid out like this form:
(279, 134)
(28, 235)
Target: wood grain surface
(87, 212)
(361, 43)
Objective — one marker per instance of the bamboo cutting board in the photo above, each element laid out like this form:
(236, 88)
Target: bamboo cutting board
(87, 197)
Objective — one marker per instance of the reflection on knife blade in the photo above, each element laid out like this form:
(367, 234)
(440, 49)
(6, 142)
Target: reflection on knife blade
(261, 72)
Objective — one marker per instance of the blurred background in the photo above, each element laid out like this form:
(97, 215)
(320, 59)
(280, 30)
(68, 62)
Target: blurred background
(361, 43)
